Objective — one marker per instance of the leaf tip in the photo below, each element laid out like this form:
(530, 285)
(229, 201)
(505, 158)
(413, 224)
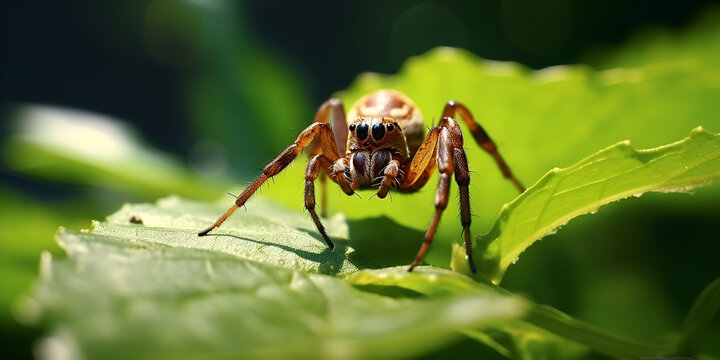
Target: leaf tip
(700, 130)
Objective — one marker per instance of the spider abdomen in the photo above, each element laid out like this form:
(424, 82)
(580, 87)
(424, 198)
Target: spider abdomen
(392, 104)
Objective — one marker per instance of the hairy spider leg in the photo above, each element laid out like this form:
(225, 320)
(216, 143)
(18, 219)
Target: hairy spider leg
(482, 138)
(444, 145)
(317, 130)
(312, 171)
(335, 110)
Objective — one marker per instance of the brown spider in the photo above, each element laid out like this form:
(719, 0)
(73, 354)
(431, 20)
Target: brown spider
(385, 147)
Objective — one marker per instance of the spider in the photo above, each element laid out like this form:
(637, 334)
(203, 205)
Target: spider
(384, 147)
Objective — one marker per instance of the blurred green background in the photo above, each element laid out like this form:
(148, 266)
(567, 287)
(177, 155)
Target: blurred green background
(213, 89)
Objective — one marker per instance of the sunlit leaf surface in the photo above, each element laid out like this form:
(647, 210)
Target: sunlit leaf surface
(157, 290)
(615, 173)
(263, 274)
(543, 330)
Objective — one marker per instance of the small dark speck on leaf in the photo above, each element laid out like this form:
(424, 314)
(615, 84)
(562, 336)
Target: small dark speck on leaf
(136, 219)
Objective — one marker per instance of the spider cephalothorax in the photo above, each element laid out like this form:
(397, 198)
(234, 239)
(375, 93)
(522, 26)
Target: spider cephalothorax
(384, 146)
(372, 144)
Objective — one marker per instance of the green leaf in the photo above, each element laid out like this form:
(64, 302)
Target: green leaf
(540, 120)
(156, 289)
(611, 174)
(542, 325)
(703, 311)
(265, 232)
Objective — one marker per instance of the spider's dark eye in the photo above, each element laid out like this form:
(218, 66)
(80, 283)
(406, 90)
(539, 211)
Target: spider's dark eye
(362, 131)
(352, 127)
(378, 131)
(390, 127)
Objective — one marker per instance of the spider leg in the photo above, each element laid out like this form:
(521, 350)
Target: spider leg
(482, 138)
(323, 194)
(441, 199)
(311, 173)
(318, 130)
(338, 174)
(336, 111)
(462, 178)
(447, 145)
(390, 174)
(333, 108)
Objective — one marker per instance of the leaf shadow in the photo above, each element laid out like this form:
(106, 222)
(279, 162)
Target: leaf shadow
(384, 240)
(329, 263)
(375, 243)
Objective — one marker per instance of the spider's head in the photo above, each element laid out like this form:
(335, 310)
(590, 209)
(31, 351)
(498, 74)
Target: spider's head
(370, 133)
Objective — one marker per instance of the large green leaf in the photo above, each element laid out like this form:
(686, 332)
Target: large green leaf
(265, 274)
(543, 331)
(614, 173)
(540, 120)
(156, 290)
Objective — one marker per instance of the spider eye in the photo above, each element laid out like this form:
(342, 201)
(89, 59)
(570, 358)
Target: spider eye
(390, 127)
(362, 131)
(352, 127)
(378, 131)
